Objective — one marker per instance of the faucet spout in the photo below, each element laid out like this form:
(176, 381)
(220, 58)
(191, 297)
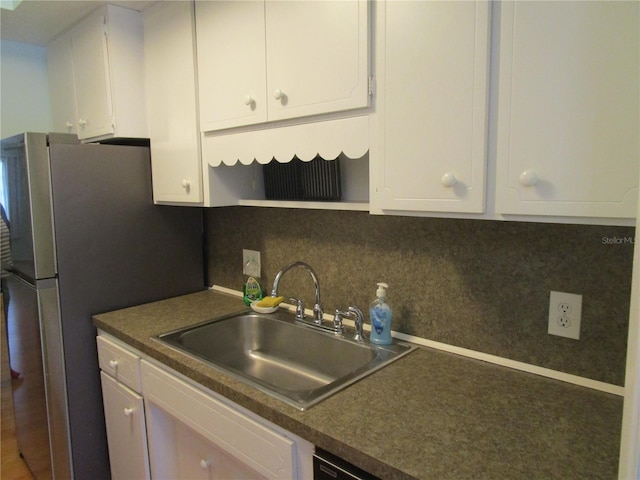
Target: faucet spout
(317, 309)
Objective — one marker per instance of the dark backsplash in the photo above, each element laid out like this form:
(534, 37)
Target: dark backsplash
(477, 284)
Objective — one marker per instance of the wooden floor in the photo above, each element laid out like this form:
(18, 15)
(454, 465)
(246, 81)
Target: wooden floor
(12, 467)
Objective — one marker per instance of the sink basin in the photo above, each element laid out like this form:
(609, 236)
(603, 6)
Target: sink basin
(296, 363)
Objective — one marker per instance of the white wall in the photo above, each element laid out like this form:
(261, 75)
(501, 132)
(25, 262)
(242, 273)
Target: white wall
(630, 445)
(24, 89)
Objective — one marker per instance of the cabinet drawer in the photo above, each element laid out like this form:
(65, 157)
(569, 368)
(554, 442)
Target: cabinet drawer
(252, 443)
(122, 365)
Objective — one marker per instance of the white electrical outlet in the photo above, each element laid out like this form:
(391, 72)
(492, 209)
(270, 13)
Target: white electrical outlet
(565, 311)
(251, 263)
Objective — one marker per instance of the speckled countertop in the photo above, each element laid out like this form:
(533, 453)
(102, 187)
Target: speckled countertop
(429, 415)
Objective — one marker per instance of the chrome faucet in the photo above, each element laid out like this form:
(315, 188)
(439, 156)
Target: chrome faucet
(317, 309)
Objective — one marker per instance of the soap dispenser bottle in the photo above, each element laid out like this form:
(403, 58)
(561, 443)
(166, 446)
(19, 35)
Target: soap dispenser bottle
(381, 315)
(251, 289)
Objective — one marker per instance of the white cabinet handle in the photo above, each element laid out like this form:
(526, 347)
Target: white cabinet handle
(186, 184)
(128, 412)
(278, 95)
(82, 122)
(529, 178)
(113, 363)
(69, 125)
(448, 180)
(248, 100)
(205, 464)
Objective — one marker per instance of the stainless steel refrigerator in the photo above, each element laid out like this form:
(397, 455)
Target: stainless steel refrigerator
(86, 238)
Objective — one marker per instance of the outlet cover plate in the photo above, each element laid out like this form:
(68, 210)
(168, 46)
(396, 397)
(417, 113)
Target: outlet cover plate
(565, 314)
(251, 263)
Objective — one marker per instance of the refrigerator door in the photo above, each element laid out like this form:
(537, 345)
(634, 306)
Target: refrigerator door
(39, 396)
(115, 249)
(27, 203)
(54, 375)
(26, 199)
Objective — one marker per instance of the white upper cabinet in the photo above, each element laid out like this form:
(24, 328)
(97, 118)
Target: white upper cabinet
(63, 100)
(269, 60)
(91, 78)
(104, 89)
(231, 63)
(170, 60)
(432, 66)
(568, 118)
(317, 57)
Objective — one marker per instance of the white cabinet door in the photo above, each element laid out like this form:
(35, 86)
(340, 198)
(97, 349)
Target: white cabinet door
(317, 57)
(61, 88)
(171, 401)
(170, 65)
(432, 74)
(126, 433)
(262, 61)
(568, 118)
(91, 78)
(96, 74)
(198, 458)
(231, 63)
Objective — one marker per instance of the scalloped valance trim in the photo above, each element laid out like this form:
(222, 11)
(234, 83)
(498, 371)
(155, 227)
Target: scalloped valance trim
(305, 141)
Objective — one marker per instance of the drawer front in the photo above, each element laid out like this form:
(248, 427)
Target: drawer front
(121, 364)
(270, 454)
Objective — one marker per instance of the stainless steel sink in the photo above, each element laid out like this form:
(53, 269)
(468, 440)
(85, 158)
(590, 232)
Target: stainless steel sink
(295, 363)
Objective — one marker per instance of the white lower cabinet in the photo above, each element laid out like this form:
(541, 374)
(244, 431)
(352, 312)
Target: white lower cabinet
(194, 434)
(198, 458)
(123, 411)
(174, 428)
(127, 436)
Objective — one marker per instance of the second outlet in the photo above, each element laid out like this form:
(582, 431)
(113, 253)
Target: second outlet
(251, 263)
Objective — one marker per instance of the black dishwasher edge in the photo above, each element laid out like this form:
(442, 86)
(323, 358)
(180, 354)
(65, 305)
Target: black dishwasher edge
(327, 466)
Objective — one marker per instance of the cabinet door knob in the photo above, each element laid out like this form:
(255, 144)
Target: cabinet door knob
(448, 180)
(205, 464)
(69, 125)
(128, 412)
(113, 363)
(529, 178)
(82, 122)
(248, 100)
(186, 184)
(278, 94)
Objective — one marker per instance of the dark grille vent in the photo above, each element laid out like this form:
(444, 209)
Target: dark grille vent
(317, 180)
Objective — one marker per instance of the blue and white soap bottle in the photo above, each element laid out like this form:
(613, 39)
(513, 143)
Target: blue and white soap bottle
(381, 315)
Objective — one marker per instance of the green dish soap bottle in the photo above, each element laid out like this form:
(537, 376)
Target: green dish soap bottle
(251, 289)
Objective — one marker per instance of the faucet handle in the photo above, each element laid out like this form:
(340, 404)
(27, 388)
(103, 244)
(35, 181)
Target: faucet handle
(299, 308)
(358, 318)
(337, 321)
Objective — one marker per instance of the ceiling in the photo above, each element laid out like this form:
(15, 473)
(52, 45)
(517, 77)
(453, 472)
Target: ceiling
(38, 21)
